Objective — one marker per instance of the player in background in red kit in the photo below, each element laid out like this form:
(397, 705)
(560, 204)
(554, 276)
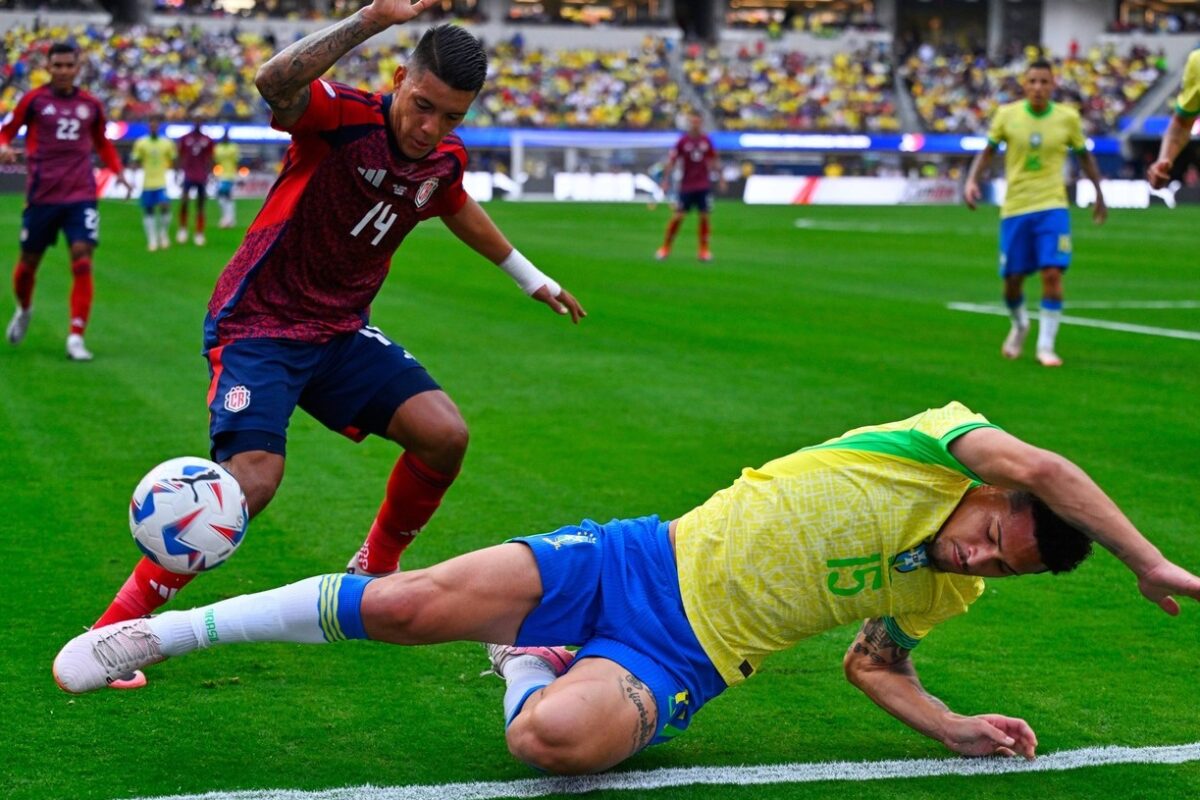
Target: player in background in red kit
(695, 151)
(288, 324)
(196, 163)
(64, 125)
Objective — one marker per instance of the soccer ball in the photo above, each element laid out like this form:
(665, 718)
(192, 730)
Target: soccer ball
(188, 515)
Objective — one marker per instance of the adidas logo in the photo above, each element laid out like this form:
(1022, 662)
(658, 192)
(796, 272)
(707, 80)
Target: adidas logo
(373, 176)
(49, 109)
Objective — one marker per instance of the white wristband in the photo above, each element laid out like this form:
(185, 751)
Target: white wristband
(527, 276)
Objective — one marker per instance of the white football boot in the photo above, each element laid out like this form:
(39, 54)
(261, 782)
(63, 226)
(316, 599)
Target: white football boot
(1048, 358)
(19, 325)
(1014, 343)
(76, 350)
(181, 236)
(95, 659)
(358, 565)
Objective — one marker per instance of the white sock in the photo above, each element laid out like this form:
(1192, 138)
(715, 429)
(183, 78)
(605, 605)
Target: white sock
(1048, 329)
(1019, 316)
(164, 223)
(290, 613)
(525, 675)
(148, 226)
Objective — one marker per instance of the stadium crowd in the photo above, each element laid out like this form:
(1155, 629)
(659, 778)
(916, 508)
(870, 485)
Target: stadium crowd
(756, 89)
(186, 73)
(958, 92)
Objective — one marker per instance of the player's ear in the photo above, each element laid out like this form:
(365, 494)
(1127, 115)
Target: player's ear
(398, 76)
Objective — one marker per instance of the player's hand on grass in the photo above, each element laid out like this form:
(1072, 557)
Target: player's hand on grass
(1158, 583)
(1159, 174)
(564, 303)
(972, 194)
(395, 12)
(990, 735)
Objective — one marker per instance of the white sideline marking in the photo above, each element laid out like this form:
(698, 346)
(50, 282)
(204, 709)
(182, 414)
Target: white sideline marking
(730, 776)
(1084, 322)
(1151, 304)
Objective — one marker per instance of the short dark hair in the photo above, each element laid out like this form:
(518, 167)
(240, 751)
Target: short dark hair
(1040, 63)
(453, 56)
(58, 48)
(1061, 546)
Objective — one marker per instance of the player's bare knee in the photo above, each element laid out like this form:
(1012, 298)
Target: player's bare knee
(551, 738)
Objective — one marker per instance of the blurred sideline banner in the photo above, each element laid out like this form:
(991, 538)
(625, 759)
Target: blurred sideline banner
(799, 190)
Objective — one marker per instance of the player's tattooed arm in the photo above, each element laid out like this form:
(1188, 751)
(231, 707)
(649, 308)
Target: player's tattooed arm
(874, 648)
(284, 80)
(638, 695)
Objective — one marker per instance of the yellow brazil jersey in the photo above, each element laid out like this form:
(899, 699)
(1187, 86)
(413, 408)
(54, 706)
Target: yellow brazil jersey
(1037, 146)
(226, 155)
(828, 535)
(1187, 104)
(156, 157)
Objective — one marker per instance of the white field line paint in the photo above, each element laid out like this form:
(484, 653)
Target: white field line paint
(730, 776)
(1083, 322)
(845, 226)
(1135, 304)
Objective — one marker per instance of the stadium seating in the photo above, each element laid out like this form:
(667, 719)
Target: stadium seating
(788, 90)
(959, 92)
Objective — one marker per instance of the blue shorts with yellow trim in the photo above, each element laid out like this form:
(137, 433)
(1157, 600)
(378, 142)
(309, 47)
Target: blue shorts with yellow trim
(614, 590)
(1035, 241)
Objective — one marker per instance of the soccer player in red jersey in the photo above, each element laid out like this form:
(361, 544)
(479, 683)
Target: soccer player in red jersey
(696, 152)
(288, 322)
(64, 124)
(196, 163)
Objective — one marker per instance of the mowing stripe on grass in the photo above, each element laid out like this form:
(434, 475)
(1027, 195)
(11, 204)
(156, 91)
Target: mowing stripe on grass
(1083, 322)
(730, 776)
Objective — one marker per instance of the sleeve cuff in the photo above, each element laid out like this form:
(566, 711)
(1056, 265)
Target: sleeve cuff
(1183, 112)
(898, 636)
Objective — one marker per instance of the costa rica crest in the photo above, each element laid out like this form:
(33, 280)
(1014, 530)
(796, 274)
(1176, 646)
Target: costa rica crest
(425, 192)
(237, 399)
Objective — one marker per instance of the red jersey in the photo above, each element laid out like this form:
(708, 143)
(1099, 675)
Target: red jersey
(195, 156)
(699, 159)
(319, 250)
(61, 133)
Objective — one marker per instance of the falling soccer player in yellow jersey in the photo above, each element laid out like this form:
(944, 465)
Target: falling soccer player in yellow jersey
(895, 524)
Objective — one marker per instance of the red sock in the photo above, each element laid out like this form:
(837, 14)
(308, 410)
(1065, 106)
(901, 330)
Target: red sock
(704, 233)
(414, 492)
(200, 219)
(81, 293)
(672, 229)
(23, 277)
(146, 588)
(183, 214)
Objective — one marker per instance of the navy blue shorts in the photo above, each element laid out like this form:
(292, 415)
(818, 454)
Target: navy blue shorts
(614, 590)
(152, 198)
(40, 224)
(352, 384)
(225, 189)
(1035, 241)
(200, 187)
(700, 200)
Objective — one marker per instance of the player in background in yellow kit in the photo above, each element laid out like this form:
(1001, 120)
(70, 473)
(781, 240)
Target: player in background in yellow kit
(1035, 227)
(156, 154)
(227, 155)
(1179, 131)
(896, 524)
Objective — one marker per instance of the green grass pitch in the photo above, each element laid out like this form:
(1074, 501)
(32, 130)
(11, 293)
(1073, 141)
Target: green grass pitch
(682, 374)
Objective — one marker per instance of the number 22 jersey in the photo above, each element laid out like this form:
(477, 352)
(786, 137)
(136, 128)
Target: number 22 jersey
(319, 250)
(828, 535)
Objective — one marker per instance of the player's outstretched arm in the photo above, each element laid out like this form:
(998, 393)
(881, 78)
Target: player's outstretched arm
(474, 227)
(884, 672)
(1004, 460)
(283, 81)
